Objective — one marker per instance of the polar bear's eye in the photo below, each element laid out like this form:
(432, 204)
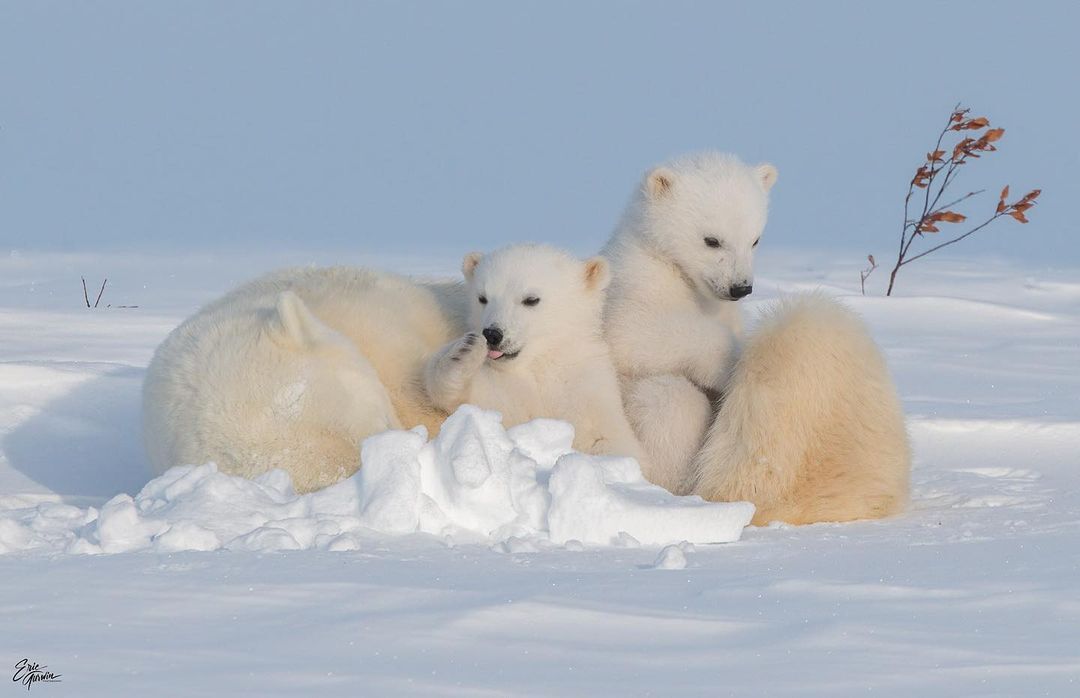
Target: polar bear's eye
(531, 301)
(483, 300)
(712, 242)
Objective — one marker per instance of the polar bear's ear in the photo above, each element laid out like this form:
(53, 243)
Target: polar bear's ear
(659, 182)
(766, 174)
(297, 324)
(597, 273)
(468, 265)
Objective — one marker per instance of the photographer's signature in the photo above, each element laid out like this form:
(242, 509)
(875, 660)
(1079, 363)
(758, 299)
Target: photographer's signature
(28, 673)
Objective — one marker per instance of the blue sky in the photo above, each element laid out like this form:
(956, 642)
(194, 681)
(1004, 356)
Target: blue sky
(453, 126)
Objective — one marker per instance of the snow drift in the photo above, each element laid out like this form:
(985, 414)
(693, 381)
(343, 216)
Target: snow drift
(524, 488)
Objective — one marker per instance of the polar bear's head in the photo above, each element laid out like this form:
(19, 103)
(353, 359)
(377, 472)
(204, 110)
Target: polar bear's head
(705, 213)
(533, 299)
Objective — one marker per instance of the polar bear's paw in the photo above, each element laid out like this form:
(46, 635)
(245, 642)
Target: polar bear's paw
(467, 347)
(450, 371)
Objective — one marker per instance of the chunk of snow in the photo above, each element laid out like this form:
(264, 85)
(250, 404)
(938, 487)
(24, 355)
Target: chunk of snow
(671, 557)
(595, 499)
(389, 483)
(522, 490)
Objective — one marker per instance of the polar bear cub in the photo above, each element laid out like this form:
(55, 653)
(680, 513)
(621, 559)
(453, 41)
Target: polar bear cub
(681, 256)
(535, 347)
(809, 426)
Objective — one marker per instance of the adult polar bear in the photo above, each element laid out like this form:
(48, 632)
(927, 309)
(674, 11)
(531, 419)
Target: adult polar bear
(809, 427)
(272, 374)
(295, 369)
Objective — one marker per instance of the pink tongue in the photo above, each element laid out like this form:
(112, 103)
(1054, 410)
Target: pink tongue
(494, 353)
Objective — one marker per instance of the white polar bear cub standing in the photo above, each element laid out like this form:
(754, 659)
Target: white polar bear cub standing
(682, 253)
(536, 347)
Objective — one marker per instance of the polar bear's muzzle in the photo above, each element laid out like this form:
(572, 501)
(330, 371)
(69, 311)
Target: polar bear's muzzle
(742, 290)
(496, 339)
(731, 292)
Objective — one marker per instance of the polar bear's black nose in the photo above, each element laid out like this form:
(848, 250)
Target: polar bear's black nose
(494, 336)
(740, 290)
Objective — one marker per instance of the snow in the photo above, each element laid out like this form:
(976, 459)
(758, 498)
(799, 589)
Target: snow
(672, 557)
(599, 504)
(471, 482)
(246, 588)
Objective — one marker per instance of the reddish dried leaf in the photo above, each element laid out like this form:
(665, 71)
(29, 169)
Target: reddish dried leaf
(994, 134)
(928, 228)
(922, 177)
(1004, 192)
(963, 148)
(952, 217)
(1019, 215)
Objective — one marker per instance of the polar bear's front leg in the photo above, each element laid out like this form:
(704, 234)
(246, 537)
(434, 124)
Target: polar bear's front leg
(710, 356)
(670, 416)
(608, 430)
(449, 373)
(685, 344)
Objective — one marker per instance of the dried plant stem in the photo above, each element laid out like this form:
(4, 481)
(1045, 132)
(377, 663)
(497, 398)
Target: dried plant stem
(865, 273)
(988, 221)
(98, 300)
(100, 293)
(938, 171)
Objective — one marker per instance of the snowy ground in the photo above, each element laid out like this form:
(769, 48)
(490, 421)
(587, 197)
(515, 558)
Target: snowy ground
(974, 591)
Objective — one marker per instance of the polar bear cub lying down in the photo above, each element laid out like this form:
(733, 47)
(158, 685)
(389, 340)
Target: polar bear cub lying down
(295, 369)
(536, 347)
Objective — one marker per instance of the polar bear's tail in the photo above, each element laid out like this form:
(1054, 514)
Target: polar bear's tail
(811, 428)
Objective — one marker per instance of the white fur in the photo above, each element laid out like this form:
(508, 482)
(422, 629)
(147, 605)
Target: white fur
(669, 312)
(294, 370)
(561, 367)
(810, 428)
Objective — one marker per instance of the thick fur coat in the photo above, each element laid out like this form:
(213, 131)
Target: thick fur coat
(294, 370)
(804, 420)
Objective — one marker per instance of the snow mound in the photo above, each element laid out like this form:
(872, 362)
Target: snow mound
(522, 489)
(673, 557)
